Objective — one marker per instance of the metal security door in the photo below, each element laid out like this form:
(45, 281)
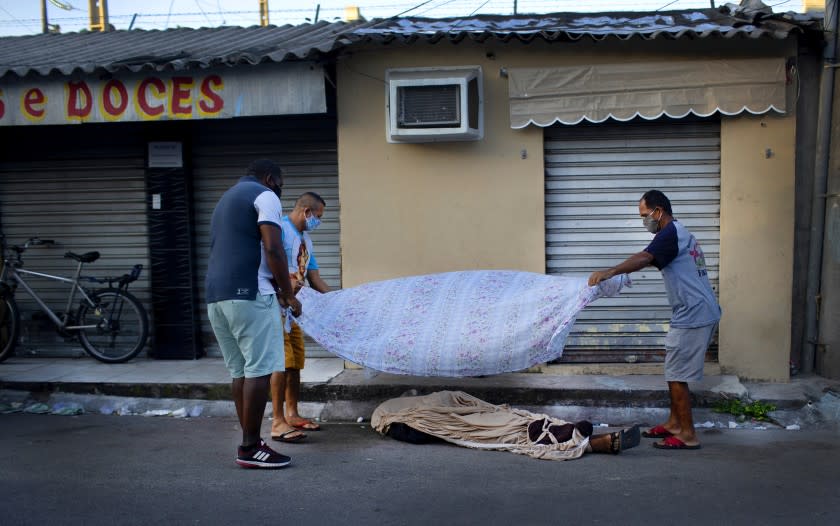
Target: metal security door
(595, 175)
(305, 147)
(82, 186)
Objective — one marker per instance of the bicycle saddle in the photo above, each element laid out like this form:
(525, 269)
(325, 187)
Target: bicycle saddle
(87, 257)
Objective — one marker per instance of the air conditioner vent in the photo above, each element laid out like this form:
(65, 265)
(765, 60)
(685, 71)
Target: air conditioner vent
(435, 104)
(429, 106)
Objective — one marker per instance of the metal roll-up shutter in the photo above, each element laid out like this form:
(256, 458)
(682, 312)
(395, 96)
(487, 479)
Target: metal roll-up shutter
(82, 186)
(305, 147)
(595, 176)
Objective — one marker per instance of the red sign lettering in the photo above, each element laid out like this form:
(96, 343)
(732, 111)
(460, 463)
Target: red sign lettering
(2, 105)
(213, 103)
(181, 97)
(143, 103)
(108, 99)
(78, 106)
(33, 101)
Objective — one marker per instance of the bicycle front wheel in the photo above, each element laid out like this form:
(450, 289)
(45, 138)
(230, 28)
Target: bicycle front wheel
(9, 326)
(120, 326)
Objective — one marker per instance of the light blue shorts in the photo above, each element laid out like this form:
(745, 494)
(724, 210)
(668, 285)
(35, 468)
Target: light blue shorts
(250, 335)
(685, 353)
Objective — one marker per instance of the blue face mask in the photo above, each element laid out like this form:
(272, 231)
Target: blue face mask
(312, 222)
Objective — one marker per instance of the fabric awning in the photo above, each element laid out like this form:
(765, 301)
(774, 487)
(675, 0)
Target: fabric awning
(597, 92)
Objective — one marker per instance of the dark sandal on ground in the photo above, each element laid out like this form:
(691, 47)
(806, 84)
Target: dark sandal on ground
(673, 442)
(631, 437)
(624, 439)
(657, 432)
(305, 424)
(284, 437)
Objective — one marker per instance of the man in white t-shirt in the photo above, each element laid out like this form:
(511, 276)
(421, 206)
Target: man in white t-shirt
(287, 424)
(243, 305)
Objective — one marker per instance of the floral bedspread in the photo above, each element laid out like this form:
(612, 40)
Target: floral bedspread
(467, 323)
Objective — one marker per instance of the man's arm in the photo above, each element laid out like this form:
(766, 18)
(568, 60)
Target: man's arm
(275, 256)
(635, 262)
(315, 281)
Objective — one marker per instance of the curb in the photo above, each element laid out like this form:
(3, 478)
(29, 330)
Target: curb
(376, 392)
(359, 412)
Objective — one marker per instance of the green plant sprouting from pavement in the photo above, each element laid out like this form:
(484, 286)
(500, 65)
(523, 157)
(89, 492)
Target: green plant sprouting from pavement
(757, 410)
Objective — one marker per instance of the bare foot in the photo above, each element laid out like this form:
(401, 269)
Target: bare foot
(606, 443)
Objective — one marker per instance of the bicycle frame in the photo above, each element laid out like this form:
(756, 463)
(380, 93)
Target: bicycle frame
(15, 274)
(98, 322)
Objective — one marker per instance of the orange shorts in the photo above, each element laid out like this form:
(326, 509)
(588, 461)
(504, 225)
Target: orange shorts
(293, 343)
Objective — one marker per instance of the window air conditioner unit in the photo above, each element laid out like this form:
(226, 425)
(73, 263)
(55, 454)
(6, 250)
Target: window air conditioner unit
(434, 104)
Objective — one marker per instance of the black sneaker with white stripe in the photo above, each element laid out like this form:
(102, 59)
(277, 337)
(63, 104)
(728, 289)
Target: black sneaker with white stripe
(261, 456)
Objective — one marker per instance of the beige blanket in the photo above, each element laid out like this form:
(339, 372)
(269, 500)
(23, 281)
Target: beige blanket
(465, 420)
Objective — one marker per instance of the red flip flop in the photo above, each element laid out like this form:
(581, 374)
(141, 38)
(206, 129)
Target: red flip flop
(306, 425)
(657, 432)
(673, 442)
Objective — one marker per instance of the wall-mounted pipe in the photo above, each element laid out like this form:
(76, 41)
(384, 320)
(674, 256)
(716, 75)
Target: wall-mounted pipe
(818, 201)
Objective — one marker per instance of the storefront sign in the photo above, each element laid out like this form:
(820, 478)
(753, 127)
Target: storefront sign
(276, 89)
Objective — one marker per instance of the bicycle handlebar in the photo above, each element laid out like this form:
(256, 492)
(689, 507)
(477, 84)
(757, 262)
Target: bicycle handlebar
(34, 242)
(31, 242)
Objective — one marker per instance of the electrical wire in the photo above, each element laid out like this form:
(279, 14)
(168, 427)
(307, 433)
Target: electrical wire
(445, 9)
(390, 18)
(15, 18)
(666, 5)
(412, 9)
(436, 7)
(469, 15)
(281, 12)
(203, 13)
(166, 26)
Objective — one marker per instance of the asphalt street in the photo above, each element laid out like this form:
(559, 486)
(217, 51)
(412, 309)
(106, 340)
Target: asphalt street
(96, 469)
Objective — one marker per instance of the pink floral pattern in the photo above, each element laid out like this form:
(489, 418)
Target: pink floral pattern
(467, 323)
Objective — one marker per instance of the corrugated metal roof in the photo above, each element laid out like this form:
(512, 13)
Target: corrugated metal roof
(695, 23)
(172, 49)
(178, 49)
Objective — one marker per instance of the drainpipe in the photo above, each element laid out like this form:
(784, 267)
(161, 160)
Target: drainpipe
(815, 252)
(827, 362)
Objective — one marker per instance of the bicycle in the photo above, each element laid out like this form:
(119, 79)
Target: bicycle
(110, 323)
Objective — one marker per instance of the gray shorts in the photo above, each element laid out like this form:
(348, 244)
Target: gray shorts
(685, 353)
(250, 335)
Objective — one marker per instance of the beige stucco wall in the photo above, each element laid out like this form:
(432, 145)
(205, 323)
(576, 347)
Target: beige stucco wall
(411, 209)
(756, 245)
(420, 208)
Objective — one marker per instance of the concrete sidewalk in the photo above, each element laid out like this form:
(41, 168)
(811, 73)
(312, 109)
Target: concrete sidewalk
(331, 392)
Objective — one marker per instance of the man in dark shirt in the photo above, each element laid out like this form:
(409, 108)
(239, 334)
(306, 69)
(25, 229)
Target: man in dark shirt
(246, 252)
(695, 312)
